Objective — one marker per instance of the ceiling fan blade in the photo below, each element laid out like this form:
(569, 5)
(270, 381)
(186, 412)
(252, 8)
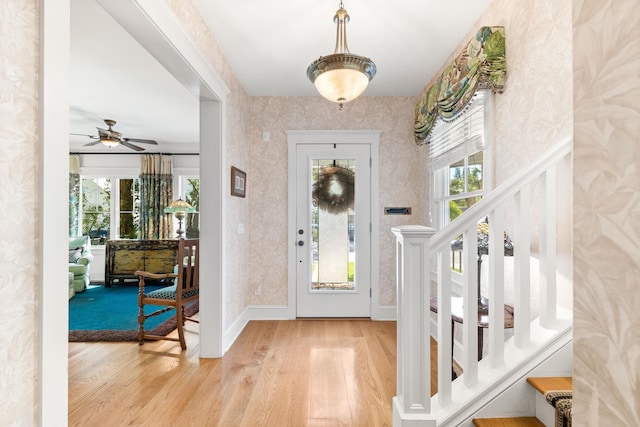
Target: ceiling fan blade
(142, 141)
(97, 141)
(84, 134)
(133, 147)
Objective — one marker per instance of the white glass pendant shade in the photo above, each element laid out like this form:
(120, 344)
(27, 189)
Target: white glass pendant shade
(341, 85)
(109, 142)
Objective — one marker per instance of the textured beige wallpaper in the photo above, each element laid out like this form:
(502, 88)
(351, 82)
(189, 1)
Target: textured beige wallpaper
(19, 202)
(607, 213)
(535, 109)
(402, 179)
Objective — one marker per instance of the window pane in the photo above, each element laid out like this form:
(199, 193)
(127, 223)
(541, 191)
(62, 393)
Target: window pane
(126, 195)
(456, 178)
(458, 206)
(74, 204)
(474, 173)
(192, 196)
(128, 226)
(129, 208)
(96, 207)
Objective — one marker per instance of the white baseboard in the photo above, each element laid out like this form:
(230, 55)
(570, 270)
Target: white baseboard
(232, 333)
(384, 313)
(253, 313)
(267, 312)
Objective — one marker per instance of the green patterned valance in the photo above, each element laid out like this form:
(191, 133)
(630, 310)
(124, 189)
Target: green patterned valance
(480, 65)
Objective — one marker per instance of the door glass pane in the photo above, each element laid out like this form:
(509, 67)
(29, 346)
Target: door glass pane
(332, 225)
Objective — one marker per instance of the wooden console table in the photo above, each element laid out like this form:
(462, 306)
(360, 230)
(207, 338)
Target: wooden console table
(483, 320)
(124, 257)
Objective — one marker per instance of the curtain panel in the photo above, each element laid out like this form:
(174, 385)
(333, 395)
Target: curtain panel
(156, 193)
(74, 194)
(480, 65)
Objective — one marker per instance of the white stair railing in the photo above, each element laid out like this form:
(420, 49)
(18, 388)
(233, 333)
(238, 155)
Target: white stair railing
(420, 251)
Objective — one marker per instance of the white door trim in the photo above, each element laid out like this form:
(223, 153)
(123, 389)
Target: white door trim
(154, 25)
(371, 137)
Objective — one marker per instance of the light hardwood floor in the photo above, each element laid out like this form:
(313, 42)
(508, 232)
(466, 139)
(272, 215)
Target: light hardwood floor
(278, 373)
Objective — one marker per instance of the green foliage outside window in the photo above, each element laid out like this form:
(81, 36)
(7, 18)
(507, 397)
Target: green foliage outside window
(192, 197)
(129, 208)
(96, 205)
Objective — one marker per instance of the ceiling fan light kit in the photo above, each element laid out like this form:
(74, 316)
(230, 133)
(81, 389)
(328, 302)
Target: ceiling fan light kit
(342, 76)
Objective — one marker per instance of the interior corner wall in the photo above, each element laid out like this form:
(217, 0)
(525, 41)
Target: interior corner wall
(606, 52)
(236, 153)
(402, 180)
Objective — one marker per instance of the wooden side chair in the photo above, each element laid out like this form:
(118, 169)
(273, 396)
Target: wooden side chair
(185, 289)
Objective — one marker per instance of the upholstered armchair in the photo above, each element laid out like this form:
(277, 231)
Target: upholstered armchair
(80, 258)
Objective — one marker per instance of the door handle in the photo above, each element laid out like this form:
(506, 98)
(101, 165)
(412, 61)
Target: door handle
(301, 243)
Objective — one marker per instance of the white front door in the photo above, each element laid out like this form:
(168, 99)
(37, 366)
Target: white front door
(333, 220)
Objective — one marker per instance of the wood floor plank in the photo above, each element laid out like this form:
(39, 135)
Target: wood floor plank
(277, 373)
(508, 422)
(546, 384)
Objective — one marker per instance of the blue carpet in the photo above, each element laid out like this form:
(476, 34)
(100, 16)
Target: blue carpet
(111, 311)
(113, 308)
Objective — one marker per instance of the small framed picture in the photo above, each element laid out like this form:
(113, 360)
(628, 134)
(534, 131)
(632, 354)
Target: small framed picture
(238, 182)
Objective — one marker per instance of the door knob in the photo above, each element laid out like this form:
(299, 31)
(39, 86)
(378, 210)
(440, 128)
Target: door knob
(301, 243)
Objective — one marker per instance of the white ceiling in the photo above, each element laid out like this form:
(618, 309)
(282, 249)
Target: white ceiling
(269, 45)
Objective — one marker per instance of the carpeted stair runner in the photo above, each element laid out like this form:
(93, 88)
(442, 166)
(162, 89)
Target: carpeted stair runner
(562, 402)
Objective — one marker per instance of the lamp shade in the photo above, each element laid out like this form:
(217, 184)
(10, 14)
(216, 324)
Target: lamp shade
(179, 206)
(341, 77)
(109, 142)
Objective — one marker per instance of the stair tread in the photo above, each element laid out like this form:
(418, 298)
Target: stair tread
(508, 422)
(547, 384)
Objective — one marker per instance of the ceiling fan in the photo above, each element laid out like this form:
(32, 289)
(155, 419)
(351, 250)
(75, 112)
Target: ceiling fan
(112, 138)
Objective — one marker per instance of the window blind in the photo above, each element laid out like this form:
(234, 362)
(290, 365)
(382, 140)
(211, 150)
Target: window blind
(453, 140)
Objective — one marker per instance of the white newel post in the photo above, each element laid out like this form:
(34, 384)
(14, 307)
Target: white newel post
(412, 404)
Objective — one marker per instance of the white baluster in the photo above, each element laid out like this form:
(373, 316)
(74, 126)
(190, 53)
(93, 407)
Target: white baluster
(496, 286)
(470, 306)
(445, 339)
(522, 267)
(548, 249)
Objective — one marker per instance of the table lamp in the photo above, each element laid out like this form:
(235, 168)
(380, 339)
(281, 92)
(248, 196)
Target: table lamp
(180, 208)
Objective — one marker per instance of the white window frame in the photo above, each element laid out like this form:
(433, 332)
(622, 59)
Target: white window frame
(114, 214)
(447, 154)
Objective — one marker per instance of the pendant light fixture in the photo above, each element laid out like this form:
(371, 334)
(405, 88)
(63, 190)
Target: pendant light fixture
(342, 76)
